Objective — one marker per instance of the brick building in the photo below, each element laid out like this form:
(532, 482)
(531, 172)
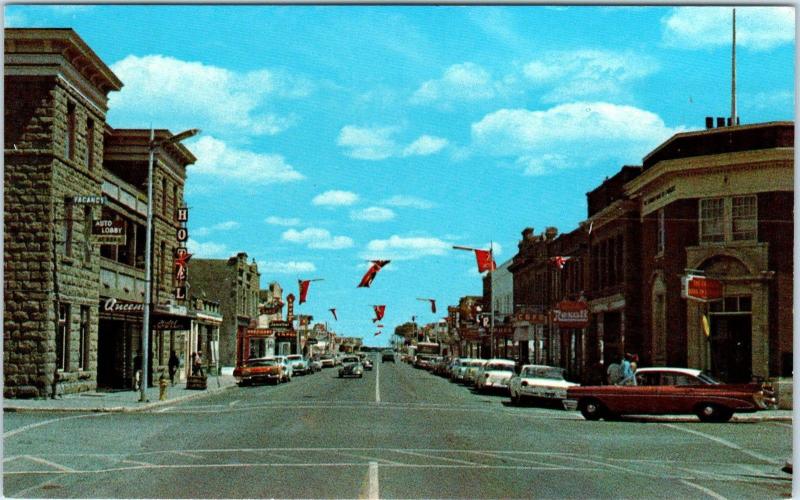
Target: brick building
(720, 201)
(234, 283)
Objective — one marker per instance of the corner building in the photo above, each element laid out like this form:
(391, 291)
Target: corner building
(719, 201)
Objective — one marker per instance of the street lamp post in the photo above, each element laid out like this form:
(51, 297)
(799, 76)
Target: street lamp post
(152, 146)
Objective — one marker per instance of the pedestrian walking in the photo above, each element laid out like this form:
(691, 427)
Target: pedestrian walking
(614, 373)
(137, 371)
(56, 385)
(198, 363)
(173, 364)
(628, 376)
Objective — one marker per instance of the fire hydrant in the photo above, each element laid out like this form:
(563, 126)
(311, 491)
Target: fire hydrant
(163, 383)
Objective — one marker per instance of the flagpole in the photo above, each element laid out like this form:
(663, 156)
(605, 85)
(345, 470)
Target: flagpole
(491, 303)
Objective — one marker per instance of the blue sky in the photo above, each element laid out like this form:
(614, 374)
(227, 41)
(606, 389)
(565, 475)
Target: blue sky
(337, 134)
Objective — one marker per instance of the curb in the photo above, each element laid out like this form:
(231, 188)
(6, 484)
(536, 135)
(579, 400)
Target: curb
(116, 409)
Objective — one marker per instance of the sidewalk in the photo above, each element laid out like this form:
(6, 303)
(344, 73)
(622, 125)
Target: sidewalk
(122, 401)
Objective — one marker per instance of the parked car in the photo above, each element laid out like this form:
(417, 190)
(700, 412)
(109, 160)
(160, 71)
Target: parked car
(459, 368)
(471, 371)
(495, 374)
(539, 381)
(288, 372)
(664, 390)
(260, 369)
(387, 356)
(367, 363)
(327, 361)
(299, 364)
(351, 367)
(315, 364)
(425, 361)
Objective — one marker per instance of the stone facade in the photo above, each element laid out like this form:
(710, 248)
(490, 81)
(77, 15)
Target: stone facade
(234, 283)
(55, 107)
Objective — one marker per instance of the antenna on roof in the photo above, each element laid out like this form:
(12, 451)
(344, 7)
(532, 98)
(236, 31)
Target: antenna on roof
(734, 119)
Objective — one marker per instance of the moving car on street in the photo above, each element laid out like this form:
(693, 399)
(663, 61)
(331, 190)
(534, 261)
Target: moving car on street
(299, 364)
(660, 391)
(367, 363)
(539, 381)
(327, 361)
(387, 356)
(495, 374)
(260, 370)
(351, 367)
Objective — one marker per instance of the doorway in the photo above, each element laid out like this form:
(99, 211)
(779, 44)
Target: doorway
(731, 347)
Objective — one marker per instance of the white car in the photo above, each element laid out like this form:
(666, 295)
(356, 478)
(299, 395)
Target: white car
(299, 364)
(459, 369)
(494, 374)
(287, 368)
(473, 366)
(539, 381)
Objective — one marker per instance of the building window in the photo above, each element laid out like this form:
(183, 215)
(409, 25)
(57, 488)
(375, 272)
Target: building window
(163, 266)
(62, 337)
(83, 353)
(90, 143)
(87, 234)
(175, 203)
(712, 220)
(67, 229)
(744, 218)
(661, 232)
(69, 144)
(164, 196)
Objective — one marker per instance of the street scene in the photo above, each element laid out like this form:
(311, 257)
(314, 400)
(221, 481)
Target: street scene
(406, 251)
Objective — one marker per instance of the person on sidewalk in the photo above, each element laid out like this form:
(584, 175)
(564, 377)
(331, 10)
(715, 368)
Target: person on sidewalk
(56, 385)
(198, 364)
(174, 362)
(137, 371)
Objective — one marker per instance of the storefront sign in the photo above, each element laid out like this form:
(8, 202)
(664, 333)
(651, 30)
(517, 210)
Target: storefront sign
(280, 325)
(171, 323)
(532, 318)
(701, 288)
(108, 232)
(571, 314)
(259, 332)
(117, 306)
(285, 334)
(87, 200)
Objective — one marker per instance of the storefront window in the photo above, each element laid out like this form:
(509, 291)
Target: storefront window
(712, 220)
(62, 337)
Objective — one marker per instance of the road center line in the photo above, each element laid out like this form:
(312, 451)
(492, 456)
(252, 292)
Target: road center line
(726, 443)
(705, 490)
(374, 490)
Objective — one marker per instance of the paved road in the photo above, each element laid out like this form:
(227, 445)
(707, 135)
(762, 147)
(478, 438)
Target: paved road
(396, 433)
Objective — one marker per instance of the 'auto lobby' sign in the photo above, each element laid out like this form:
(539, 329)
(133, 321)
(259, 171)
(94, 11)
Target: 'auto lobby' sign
(571, 314)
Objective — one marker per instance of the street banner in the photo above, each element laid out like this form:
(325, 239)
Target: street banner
(304, 284)
(485, 260)
(559, 261)
(376, 266)
(379, 312)
(333, 311)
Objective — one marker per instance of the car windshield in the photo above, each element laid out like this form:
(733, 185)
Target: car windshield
(707, 378)
(544, 372)
(351, 359)
(500, 367)
(261, 362)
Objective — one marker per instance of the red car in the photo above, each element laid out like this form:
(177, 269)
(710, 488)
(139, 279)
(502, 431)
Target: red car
(258, 369)
(661, 391)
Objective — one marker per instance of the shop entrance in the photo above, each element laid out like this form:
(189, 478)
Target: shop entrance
(731, 347)
(612, 338)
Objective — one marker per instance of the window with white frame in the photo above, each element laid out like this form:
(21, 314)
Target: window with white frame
(728, 219)
(743, 218)
(83, 352)
(661, 232)
(712, 220)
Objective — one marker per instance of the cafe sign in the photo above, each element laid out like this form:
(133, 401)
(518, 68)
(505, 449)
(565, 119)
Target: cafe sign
(571, 314)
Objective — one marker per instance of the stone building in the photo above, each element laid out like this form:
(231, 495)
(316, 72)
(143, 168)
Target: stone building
(56, 99)
(74, 294)
(719, 202)
(234, 283)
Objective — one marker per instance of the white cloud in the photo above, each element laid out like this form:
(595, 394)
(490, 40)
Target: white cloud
(282, 221)
(207, 250)
(408, 201)
(585, 73)
(285, 267)
(757, 28)
(405, 248)
(218, 159)
(317, 238)
(181, 94)
(367, 143)
(335, 198)
(460, 82)
(378, 143)
(425, 145)
(226, 226)
(583, 133)
(372, 214)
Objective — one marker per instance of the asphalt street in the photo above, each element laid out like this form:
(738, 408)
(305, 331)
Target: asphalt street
(396, 433)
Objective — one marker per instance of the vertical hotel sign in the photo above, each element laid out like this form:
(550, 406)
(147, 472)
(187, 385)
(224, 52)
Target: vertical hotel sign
(182, 254)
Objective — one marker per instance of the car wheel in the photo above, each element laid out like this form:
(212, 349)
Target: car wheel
(708, 412)
(591, 409)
